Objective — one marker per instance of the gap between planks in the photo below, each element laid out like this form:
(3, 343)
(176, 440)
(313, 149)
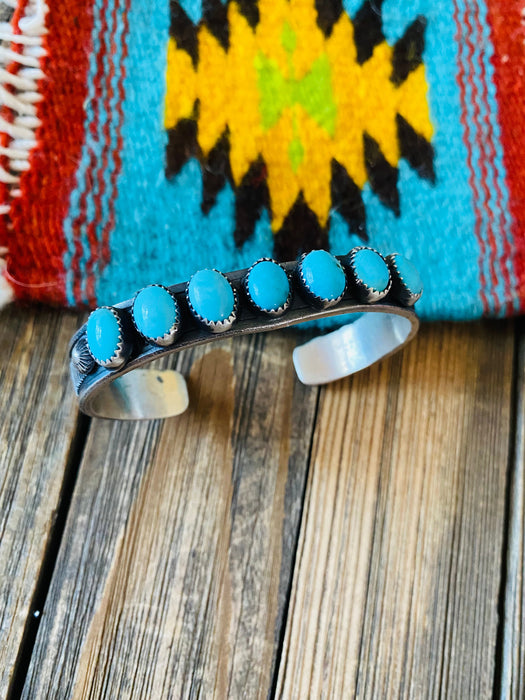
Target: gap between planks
(510, 681)
(39, 433)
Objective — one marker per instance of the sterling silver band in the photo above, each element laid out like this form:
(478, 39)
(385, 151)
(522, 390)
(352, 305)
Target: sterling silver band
(133, 392)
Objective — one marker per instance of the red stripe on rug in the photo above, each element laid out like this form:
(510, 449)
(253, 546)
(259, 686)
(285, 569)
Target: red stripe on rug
(95, 132)
(36, 241)
(108, 49)
(507, 20)
(103, 254)
(106, 252)
(487, 147)
(467, 139)
(483, 204)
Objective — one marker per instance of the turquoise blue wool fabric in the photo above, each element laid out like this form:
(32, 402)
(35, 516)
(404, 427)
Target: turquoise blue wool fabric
(163, 232)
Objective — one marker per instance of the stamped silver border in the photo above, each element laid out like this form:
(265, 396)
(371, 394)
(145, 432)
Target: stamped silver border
(123, 351)
(365, 292)
(169, 337)
(213, 326)
(274, 313)
(399, 286)
(320, 302)
(81, 357)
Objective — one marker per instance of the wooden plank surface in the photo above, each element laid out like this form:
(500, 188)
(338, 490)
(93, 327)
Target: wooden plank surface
(395, 589)
(176, 559)
(37, 430)
(512, 681)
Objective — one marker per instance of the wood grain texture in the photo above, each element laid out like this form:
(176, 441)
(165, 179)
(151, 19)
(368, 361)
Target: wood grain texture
(395, 589)
(176, 558)
(38, 424)
(512, 681)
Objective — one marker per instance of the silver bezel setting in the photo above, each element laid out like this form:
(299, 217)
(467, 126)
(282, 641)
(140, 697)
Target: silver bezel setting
(274, 313)
(169, 337)
(318, 301)
(94, 389)
(365, 292)
(399, 286)
(123, 351)
(213, 326)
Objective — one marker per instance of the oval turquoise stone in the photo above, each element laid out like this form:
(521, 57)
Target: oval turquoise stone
(211, 295)
(325, 278)
(268, 285)
(155, 312)
(371, 269)
(408, 274)
(103, 334)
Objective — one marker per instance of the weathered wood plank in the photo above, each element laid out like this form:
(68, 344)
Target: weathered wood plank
(395, 589)
(37, 428)
(512, 679)
(175, 561)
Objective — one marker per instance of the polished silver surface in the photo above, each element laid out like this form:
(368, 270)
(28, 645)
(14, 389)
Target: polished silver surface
(126, 393)
(141, 395)
(351, 348)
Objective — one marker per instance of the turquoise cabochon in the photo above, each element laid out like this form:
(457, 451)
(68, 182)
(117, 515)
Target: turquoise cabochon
(323, 275)
(103, 334)
(371, 269)
(155, 312)
(267, 285)
(211, 296)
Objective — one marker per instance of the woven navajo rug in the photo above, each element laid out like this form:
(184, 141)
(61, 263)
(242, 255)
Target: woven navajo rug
(141, 140)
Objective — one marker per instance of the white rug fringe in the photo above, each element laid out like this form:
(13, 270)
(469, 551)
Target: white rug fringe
(19, 91)
(6, 290)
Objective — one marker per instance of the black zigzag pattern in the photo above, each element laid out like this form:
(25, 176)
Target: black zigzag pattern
(408, 51)
(347, 200)
(407, 56)
(215, 17)
(184, 31)
(416, 150)
(250, 9)
(368, 29)
(252, 198)
(328, 13)
(216, 172)
(382, 176)
(300, 233)
(182, 145)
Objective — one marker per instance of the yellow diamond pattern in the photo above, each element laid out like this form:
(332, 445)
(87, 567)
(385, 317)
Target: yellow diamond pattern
(225, 83)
